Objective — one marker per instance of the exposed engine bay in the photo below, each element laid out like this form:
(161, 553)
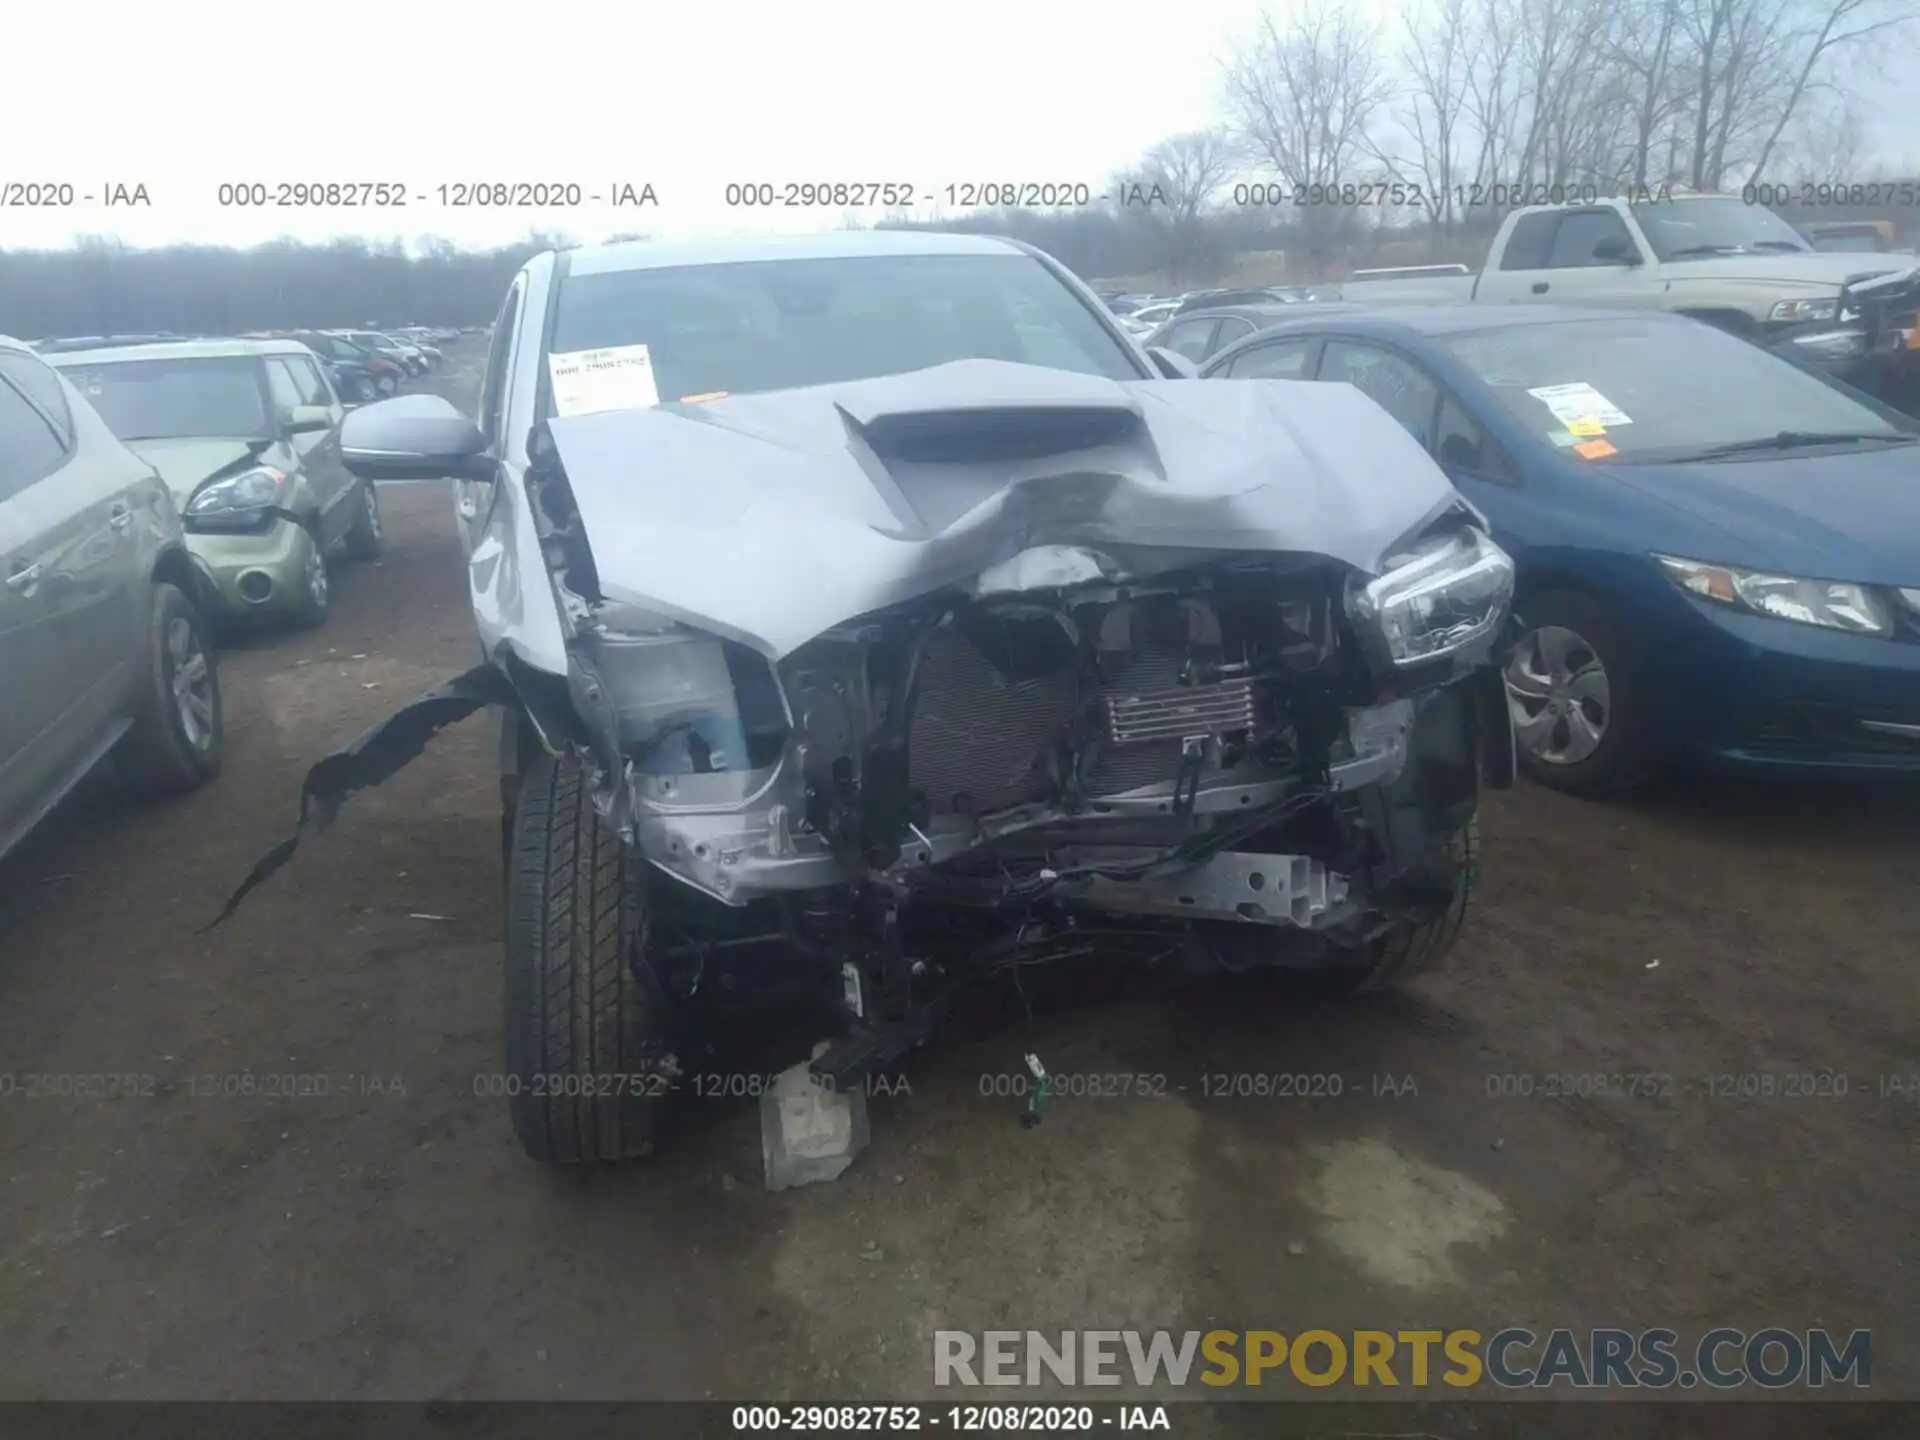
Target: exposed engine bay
(1244, 754)
(986, 664)
(994, 750)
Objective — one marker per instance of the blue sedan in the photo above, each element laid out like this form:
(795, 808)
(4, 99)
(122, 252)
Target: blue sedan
(1718, 551)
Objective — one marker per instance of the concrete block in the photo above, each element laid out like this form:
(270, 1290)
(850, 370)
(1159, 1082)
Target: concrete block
(809, 1133)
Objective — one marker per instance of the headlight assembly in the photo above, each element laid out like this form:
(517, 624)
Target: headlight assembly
(250, 490)
(1798, 310)
(1834, 604)
(1445, 595)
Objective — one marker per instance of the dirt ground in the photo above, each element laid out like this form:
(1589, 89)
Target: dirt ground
(386, 1239)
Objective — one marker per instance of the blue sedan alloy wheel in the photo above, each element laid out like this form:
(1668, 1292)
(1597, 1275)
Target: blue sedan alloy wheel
(1560, 697)
(1571, 692)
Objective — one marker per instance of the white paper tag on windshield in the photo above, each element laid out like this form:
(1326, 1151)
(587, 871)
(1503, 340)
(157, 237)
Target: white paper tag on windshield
(1572, 404)
(588, 381)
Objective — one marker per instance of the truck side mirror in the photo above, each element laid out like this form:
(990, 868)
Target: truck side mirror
(1615, 250)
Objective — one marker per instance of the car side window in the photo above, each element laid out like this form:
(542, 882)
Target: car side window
(1191, 338)
(1581, 233)
(308, 380)
(1232, 328)
(40, 385)
(493, 394)
(1276, 360)
(30, 448)
(1460, 444)
(286, 394)
(1392, 382)
(1531, 242)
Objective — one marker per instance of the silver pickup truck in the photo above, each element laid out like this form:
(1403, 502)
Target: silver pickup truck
(1714, 257)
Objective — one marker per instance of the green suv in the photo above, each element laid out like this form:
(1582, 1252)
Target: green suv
(246, 434)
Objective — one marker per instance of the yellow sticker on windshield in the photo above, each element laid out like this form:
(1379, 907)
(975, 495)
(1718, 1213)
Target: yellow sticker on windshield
(704, 396)
(1584, 428)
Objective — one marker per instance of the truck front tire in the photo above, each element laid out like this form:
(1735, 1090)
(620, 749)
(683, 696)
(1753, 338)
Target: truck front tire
(583, 1021)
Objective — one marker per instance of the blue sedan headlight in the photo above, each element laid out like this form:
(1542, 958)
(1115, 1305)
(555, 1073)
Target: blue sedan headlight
(1442, 597)
(1833, 604)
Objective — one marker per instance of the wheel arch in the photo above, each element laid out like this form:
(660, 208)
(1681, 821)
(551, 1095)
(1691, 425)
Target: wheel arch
(173, 566)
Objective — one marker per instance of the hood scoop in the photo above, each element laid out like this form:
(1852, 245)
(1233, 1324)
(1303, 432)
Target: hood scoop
(997, 434)
(933, 467)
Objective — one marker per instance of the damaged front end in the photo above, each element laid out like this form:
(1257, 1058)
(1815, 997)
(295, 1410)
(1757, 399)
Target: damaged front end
(1231, 756)
(903, 682)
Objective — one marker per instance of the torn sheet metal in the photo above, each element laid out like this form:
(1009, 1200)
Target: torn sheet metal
(723, 515)
(373, 758)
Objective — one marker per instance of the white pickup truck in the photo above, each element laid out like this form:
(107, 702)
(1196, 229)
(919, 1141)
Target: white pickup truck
(1712, 256)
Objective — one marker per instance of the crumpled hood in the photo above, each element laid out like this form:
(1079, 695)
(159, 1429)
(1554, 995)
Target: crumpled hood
(186, 463)
(770, 518)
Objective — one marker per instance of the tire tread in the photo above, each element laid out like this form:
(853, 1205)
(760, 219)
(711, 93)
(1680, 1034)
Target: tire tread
(575, 1005)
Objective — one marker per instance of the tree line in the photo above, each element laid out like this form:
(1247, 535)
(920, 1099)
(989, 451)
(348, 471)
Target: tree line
(1406, 141)
(1469, 104)
(102, 287)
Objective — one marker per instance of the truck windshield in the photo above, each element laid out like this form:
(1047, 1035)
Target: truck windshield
(1704, 226)
(776, 324)
(1657, 388)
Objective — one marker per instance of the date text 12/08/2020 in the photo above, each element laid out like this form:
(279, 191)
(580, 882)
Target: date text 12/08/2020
(448, 195)
(989, 1419)
(961, 195)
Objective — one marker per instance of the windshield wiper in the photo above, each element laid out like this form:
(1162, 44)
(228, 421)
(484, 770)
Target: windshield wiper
(1796, 439)
(1787, 245)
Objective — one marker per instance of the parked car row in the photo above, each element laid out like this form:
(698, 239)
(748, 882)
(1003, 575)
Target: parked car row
(103, 644)
(1140, 315)
(152, 489)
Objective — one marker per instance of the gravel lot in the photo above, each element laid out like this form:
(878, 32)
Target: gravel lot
(385, 1239)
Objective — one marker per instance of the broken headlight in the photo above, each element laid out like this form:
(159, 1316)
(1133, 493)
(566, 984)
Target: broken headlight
(1834, 604)
(1442, 596)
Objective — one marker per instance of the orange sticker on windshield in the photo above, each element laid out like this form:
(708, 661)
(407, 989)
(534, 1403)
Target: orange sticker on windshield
(704, 396)
(1595, 449)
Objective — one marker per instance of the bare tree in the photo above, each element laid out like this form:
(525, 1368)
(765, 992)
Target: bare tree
(1170, 193)
(1643, 51)
(1437, 60)
(1840, 26)
(1301, 92)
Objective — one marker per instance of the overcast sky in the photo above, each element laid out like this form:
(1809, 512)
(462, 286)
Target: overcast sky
(689, 97)
(182, 97)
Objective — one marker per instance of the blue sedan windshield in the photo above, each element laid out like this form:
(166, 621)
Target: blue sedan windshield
(1652, 388)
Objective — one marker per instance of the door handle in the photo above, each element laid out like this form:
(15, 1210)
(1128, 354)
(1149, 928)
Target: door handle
(120, 516)
(1539, 287)
(23, 578)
